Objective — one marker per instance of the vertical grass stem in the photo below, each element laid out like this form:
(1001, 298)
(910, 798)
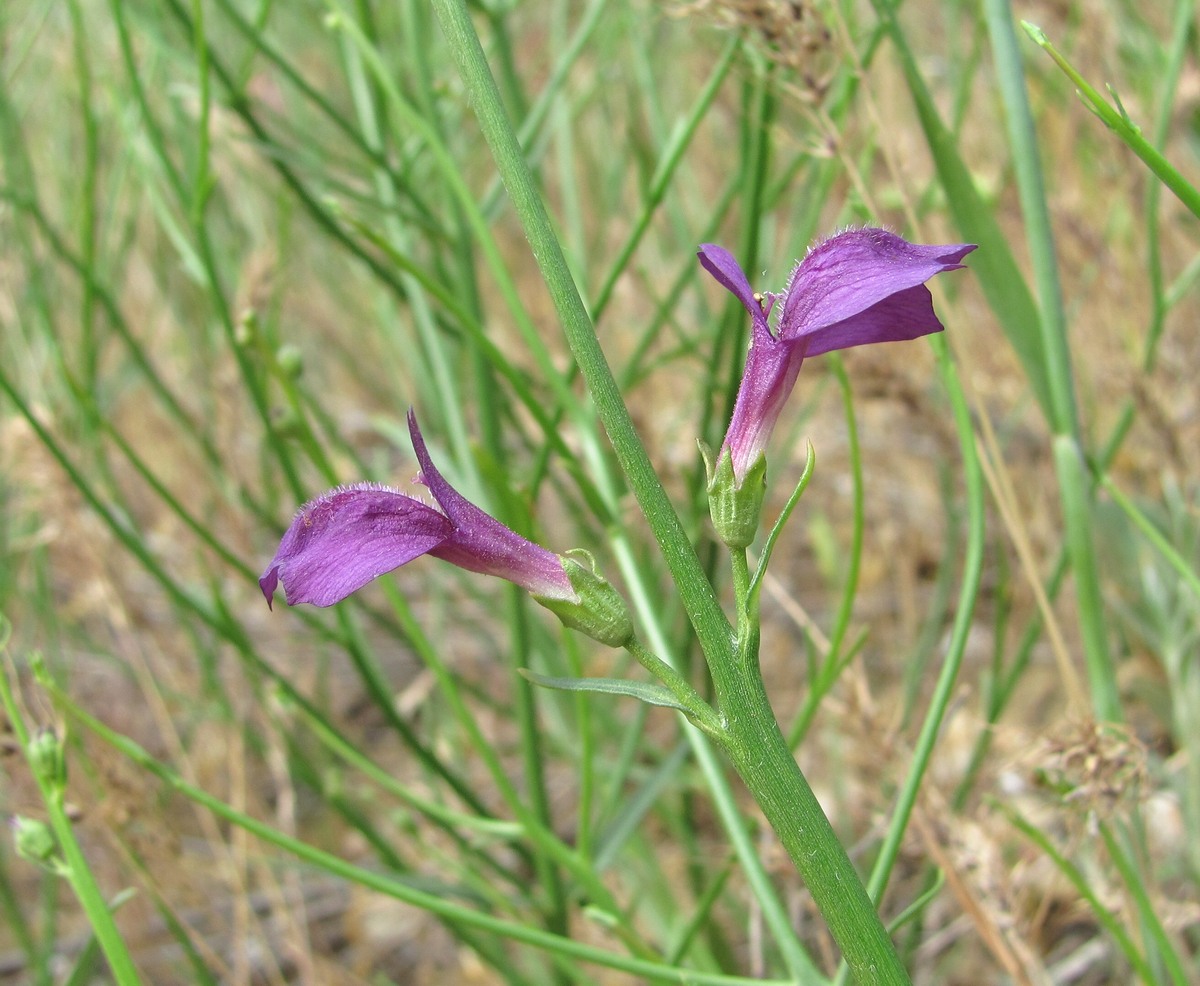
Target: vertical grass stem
(696, 592)
(74, 864)
(1074, 488)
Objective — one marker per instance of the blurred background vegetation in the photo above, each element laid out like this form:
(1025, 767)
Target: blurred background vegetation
(240, 238)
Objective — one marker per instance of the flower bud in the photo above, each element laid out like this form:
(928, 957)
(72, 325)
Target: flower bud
(46, 758)
(290, 361)
(34, 840)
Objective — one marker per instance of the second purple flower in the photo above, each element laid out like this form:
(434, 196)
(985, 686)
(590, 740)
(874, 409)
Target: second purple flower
(860, 286)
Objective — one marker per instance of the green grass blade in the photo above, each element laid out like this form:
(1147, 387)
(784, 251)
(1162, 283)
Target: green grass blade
(1120, 124)
(993, 264)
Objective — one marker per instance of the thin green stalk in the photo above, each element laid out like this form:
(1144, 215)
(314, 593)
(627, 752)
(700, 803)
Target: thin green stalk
(88, 171)
(615, 801)
(775, 914)
(256, 37)
(549, 95)
(447, 818)
(1136, 885)
(702, 915)
(668, 163)
(546, 841)
(834, 661)
(1083, 887)
(48, 769)
(929, 637)
(377, 687)
(1117, 121)
(752, 740)
(586, 736)
(533, 759)
(87, 275)
(765, 762)
(696, 592)
(1144, 524)
(841, 624)
(86, 965)
(555, 945)
(480, 229)
(1022, 136)
(1002, 688)
(202, 179)
(194, 199)
(1074, 488)
(323, 216)
(754, 590)
(763, 757)
(18, 917)
(747, 609)
(561, 138)
(993, 265)
(651, 337)
(1181, 33)
(49, 906)
(367, 92)
(698, 710)
(968, 595)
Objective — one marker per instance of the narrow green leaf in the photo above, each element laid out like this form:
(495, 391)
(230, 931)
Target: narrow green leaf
(650, 694)
(773, 538)
(1117, 120)
(993, 264)
(1079, 880)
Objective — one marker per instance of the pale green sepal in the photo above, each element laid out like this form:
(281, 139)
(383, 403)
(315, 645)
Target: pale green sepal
(650, 694)
(735, 507)
(598, 611)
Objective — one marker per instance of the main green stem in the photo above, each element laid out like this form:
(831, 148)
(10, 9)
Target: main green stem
(695, 591)
(751, 737)
(764, 760)
(766, 765)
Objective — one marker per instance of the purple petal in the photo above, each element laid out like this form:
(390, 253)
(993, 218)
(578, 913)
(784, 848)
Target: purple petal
(480, 543)
(858, 287)
(908, 314)
(720, 264)
(345, 538)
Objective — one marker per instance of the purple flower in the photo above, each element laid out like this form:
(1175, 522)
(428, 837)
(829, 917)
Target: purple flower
(862, 285)
(350, 535)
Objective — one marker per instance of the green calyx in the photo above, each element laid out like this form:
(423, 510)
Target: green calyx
(735, 507)
(598, 611)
